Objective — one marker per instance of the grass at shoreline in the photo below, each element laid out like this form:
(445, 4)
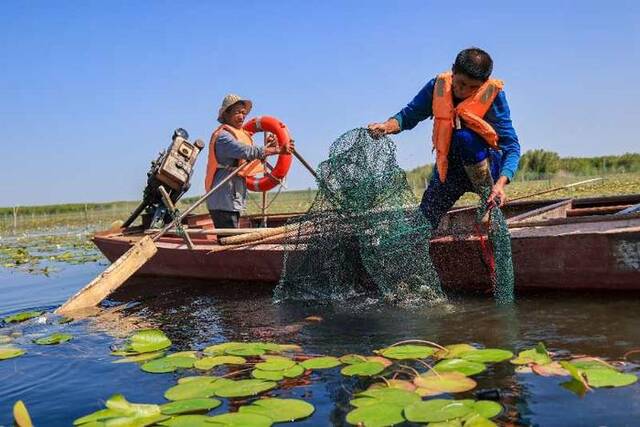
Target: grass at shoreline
(92, 216)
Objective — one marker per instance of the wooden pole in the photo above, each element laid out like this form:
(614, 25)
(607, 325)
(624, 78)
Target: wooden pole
(130, 262)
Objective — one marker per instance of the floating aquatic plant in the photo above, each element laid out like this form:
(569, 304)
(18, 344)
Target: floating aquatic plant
(145, 341)
(21, 317)
(279, 410)
(52, 339)
(10, 352)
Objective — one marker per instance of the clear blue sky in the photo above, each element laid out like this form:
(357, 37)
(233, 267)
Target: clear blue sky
(90, 91)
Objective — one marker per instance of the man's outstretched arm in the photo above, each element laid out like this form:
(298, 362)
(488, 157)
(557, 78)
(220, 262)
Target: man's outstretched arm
(417, 110)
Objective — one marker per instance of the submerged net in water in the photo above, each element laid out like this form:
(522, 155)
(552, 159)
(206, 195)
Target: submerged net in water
(364, 234)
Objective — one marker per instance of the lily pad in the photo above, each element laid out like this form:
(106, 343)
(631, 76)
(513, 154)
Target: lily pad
(119, 404)
(486, 355)
(454, 351)
(279, 410)
(324, 362)
(102, 414)
(267, 375)
(549, 369)
(407, 351)
(207, 363)
(401, 384)
(147, 341)
(21, 317)
(485, 408)
(352, 359)
(364, 369)
(10, 352)
(608, 378)
(275, 365)
(237, 419)
(189, 353)
(538, 355)
(590, 363)
(392, 396)
(195, 389)
(52, 339)
(436, 410)
(432, 384)
(463, 366)
(140, 357)
(21, 416)
(477, 420)
(219, 349)
(165, 364)
(293, 372)
(383, 414)
(199, 378)
(243, 388)
(188, 421)
(190, 405)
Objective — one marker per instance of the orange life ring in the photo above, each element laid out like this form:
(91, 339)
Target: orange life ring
(280, 170)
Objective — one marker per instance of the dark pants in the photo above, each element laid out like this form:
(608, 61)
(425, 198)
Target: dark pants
(225, 219)
(467, 148)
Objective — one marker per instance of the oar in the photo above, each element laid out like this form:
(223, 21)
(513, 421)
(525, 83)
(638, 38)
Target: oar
(539, 193)
(130, 262)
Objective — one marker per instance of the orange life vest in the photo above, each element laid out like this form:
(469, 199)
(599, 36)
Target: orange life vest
(240, 135)
(471, 111)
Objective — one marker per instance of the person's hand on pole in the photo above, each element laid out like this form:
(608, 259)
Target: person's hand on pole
(498, 196)
(272, 149)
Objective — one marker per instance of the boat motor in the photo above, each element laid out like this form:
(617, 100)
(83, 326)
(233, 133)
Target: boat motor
(167, 180)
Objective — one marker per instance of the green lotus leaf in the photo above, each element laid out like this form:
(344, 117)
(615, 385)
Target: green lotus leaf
(590, 363)
(577, 375)
(484, 408)
(140, 357)
(188, 421)
(477, 420)
(324, 362)
(436, 410)
(189, 353)
(219, 349)
(129, 421)
(446, 382)
(538, 355)
(119, 404)
(392, 396)
(10, 352)
(608, 378)
(454, 351)
(201, 378)
(275, 365)
(352, 359)
(99, 415)
(21, 317)
(401, 384)
(279, 410)
(269, 357)
(147, 341)
(190, 405)
(245, 351)
(267, 375)
(364, 369)
(457, 422)
(243, 388)
(52, 339)
(211, 362)
(407, 351)
(383, 414)
(486, 355)
(237, 419)
(293, 372)
(165, 364)
(269, 346)
(195, 389)
(289, 348)
(463, 366)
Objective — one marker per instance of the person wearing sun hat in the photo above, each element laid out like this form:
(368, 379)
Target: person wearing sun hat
(229, 147)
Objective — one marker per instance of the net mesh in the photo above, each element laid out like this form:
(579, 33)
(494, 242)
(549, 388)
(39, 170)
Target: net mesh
(364, 235)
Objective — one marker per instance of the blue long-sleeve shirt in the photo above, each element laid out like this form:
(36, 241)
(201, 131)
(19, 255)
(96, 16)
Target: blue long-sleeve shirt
(498, 116)
(232, 196)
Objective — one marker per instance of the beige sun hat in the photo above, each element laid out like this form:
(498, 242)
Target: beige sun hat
(231, 99)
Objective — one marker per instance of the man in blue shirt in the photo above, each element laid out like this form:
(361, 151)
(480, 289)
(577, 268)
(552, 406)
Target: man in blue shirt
(470, 73)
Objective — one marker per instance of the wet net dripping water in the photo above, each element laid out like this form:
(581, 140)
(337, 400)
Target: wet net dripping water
(364, 235)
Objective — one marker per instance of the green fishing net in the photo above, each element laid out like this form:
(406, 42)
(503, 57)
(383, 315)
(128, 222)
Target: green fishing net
(364, 235)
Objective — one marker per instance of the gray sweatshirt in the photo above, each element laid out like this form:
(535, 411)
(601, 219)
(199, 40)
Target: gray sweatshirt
(232, 196)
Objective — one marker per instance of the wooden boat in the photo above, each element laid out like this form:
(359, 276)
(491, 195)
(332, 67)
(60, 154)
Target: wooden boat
(563, 244)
